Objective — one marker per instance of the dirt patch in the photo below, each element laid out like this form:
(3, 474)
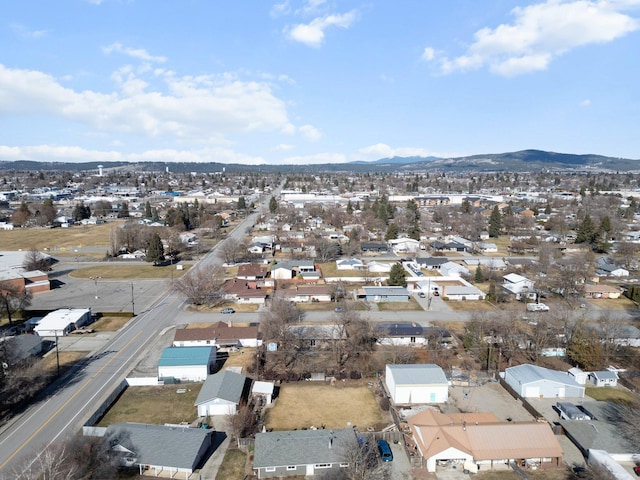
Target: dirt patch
(306, 404)
(155, 405)
(490, 397)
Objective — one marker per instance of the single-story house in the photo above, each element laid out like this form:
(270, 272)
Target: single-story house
(601, 290)
(63, 321)
(531, 381)
(302, 452)
(519, 286)
(481, 441)
(22, 347)
(431, 263)
(605, 268)
(403, 333)
(373, 247)
(416, 383)
(492, 264)
(349, 264)
(404, 245)
(244, 291)
(288, 270)
(486, 247)
(221, 393)
(219, 334)
(462, 292)
(316, 335)
(604, 378)
(301, 294)
(378, 267)
(383, 294)
(186, 363)
(161, 449)
(251, 271)
(452, 269)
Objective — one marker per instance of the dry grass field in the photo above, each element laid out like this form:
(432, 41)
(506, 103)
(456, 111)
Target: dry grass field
(411, 305)
(127, 271)
(306, 404)
(109, 324)
(470, 306)
(58, 240)
(233, 465)
(66, 358)
(617, 395)
(156, 405)
(555, 474)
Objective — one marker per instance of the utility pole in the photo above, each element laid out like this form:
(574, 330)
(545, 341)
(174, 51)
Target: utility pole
(57, 355)
(133, 303)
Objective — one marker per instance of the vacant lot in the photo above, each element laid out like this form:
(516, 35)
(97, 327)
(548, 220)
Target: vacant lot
(109, 324)
(469, 306)
(306, 404)
(399, 306)
(156, 405)
(127, 271)
(57, 240)
(617, 395)
(64, 358)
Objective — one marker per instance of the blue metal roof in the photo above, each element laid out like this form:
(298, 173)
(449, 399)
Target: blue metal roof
(185, 356)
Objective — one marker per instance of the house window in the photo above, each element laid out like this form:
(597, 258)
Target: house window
(291, 467)
(344, 465)
(270, 469)
(322, 465)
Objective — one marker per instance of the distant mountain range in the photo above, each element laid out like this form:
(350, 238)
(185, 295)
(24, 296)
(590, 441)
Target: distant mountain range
(522, 161)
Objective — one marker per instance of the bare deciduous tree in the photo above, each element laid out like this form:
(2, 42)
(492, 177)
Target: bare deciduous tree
(13, 298)
(202, 286)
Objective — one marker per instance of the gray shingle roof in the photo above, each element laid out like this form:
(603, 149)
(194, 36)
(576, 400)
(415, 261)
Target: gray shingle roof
(302, 447)
(163, 446)
(226, 385)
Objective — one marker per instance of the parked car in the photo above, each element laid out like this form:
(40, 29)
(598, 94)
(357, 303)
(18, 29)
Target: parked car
(338, 309)
(227, 310)
(636, 470)
(436, 293)
(421, 294)
(385, 451)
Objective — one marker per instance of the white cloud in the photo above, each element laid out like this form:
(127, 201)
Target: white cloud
(310, 132)
(204, 108)
(138, 53)
(542, 32)
(312, 34)
(428, 54)
(279, 9)
(24, 32)
(585, 103)
(64, 153)
(315, 159)
(284, 147)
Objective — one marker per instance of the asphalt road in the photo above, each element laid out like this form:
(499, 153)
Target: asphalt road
(69, 403)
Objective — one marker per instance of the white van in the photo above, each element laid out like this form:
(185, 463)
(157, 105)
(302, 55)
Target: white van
(537, 307)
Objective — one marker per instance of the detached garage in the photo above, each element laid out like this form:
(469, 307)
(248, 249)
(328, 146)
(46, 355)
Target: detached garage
(186, 363)
(411, 384)
(531, 381)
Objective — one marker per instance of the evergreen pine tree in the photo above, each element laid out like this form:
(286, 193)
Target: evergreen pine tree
(495, 223)
(155, 252)
(397, 276)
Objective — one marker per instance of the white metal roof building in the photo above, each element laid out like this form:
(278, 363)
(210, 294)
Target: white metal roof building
(538, 382)
(60, 322)
(416, 383)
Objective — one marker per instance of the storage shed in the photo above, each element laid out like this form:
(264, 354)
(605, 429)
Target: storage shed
(412, 384)
(60, 322)
(531, 381)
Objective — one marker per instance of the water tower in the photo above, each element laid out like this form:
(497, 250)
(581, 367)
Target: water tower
(100, 167)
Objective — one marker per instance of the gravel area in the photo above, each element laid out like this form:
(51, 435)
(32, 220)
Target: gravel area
(490, 397)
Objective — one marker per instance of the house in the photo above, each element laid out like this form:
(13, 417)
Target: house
(416, 383)
(219, 334)
(462, 292)
(191, 364)
(604, 378)
(383, 294)
(302, 294)
(316, 335)
(578, 375)
(221, 393)
(251, 271)
(349, 264)
(243, 291)
(431, 263)
(491, 263)
(302, 452)
(288, 270)
(481, 441)
(404, 245)
(63, 321)
(606, 268)
(486, 247)
(161, 449)
(519, 286)
(22, 347)
(373, 247)
(403, 333)
(378, 267)
(452, 269)
(601, 290)
(531, 381)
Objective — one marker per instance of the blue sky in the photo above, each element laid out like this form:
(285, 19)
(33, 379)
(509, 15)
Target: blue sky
(315, 81)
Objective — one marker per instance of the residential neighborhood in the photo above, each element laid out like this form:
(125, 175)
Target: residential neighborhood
(414, 318)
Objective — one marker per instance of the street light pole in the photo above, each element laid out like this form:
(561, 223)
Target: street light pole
(95, 281)
(133, 303)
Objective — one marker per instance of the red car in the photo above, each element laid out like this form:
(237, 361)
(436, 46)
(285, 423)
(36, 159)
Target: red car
(636, 470)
